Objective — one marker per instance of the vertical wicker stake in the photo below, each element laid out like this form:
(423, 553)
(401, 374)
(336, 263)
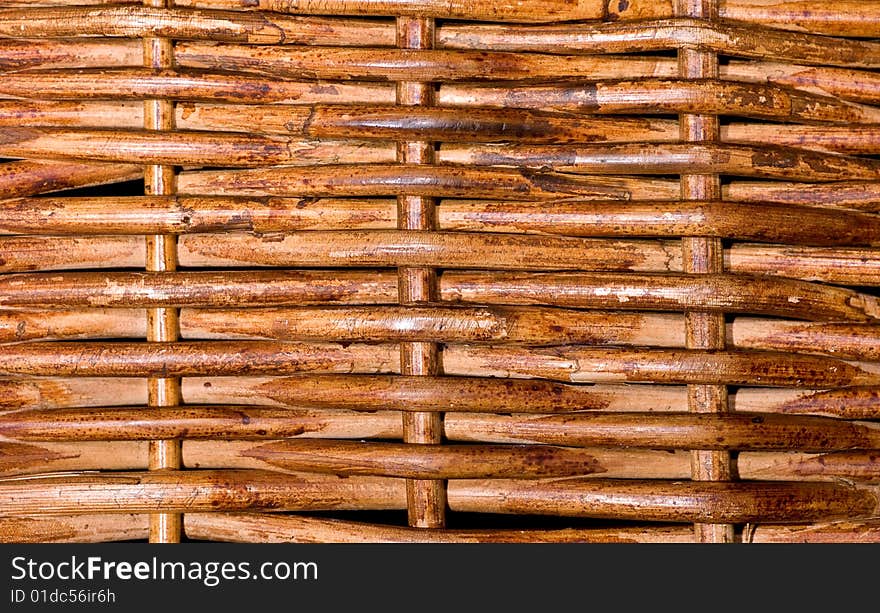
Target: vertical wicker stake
(703, 256)
(162, 323)
(426, 500)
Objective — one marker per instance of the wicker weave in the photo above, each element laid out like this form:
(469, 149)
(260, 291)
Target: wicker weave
(540, 270)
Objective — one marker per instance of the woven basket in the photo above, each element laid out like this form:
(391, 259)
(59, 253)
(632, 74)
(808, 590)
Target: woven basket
(439, 270)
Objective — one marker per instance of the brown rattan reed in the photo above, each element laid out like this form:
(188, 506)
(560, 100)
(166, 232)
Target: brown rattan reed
(611, 267)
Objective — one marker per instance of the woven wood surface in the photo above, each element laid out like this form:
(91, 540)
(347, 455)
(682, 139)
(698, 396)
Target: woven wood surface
(439, 270)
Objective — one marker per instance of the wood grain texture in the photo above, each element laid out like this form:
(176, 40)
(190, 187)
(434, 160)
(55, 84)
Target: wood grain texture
(180, 84)
(691, 31)
(381, 64)
(298, 392)
(449, 124)
(757, 222)
(533, 435)
(659, 96)
(263, 262)
(502, 325)
(712, 292)
(74, 528)
(851, 18)
(650, 96)
(418, 180)
(408, 393)
(572, 363)
(701, 256)
(227, 422)
(185, 24)
(694, 366)
(252, 527)
(632, 292)
(424, 248)
(427, 461)
(852, 84)
(161, 256)
(733, 431)
(183, 491)
(534, 326)
(184, 148)
(211, 490)
(506, 10)
(857, 195)
(828, 532)
(695, 501)
(176, 359)
(503, 251)
(610, 463)
(661, 159)
(32, 177)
